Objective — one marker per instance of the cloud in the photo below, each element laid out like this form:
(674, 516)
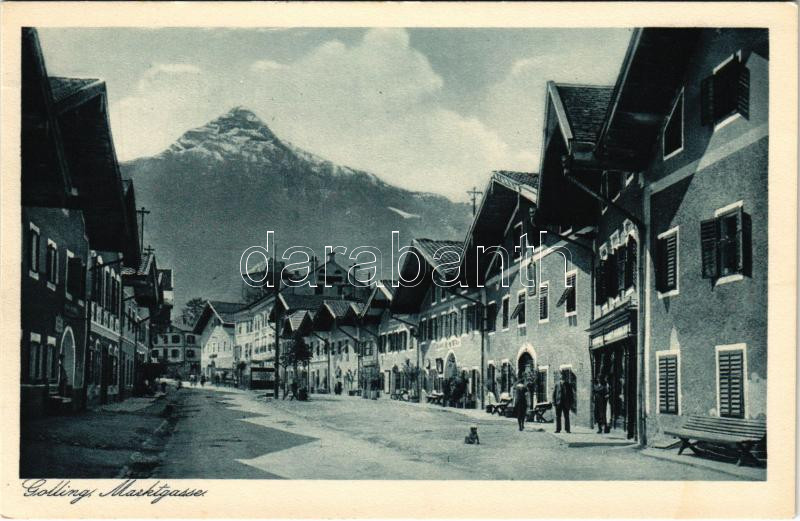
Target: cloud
(168, 99)
(266, 65)
(374, 104)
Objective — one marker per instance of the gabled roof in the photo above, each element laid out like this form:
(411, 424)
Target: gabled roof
(581, 109)
(526, 179)
(68, 91)
(651, 73)
(46, 177)
(288, 302)
(408, 296)
(224, 311)
(165, 279)
(447, 251)
(331, 311)
(144, 281)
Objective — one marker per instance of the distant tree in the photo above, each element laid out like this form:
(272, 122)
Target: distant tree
(192, 310)
(295, 352)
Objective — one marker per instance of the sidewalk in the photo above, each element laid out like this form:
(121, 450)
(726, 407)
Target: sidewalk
(94, 444)
(688, 458)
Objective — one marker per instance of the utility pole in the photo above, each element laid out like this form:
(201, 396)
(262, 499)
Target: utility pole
(474, 193)
(142, 212)
(277, 324)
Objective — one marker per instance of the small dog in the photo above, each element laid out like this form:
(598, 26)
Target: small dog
(473, 438)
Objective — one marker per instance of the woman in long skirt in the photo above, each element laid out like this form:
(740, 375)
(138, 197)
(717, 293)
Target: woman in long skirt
(520, 405)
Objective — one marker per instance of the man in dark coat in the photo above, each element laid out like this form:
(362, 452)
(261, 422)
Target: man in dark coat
(563, 400)
(600, 389)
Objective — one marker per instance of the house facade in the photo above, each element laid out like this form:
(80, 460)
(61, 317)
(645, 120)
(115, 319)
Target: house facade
(704, 175)
(178, 350)
(215, 332)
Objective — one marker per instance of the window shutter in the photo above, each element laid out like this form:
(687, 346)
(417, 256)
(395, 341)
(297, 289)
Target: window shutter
(707, 101)
(599, 283)
(611, 275)
(709, 245)
(661, 265)
(746, 245)
(731, 389)
(743, 91)
(630, 265)
(671, 262)
(668, 384)
(622, 261)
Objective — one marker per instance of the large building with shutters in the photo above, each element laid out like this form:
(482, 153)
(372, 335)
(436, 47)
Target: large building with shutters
(680, 163)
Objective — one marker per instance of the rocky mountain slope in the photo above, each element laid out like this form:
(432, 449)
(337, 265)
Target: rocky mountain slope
(219, 188)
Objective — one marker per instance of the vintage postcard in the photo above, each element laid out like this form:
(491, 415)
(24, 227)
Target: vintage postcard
(399, 260)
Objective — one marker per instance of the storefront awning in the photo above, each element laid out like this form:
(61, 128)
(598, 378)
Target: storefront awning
(614, 326)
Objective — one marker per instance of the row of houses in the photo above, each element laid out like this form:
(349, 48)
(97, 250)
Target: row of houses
(90, 296)
(636, 256)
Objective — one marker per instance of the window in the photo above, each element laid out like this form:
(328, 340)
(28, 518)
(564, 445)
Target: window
(730, 381)
(531, 268)
(190, 339)
(442, 293)
(521, 309)
(667, 262)
(611, 184)
(76, 280)
(52, 359)
(541, 385)
(52, 262)
(568, 297)
(174, 353)
(454, 322)
(518, 246)
(726, 243)
(726, 93)
(34, 357)
(154, 353)
(176, 339)
(672, 137)
(491, 316)
(505, 312)
(34, 244)
(668, 385)
(190, 353)
(544, 297)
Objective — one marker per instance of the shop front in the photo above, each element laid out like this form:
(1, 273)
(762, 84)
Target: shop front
(613, 360)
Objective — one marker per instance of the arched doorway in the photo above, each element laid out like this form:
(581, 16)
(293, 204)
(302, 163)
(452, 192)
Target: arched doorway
(67, 358)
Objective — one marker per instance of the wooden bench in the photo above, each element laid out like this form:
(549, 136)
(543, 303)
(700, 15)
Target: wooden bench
(733, 432)
(435, 397)
(537, 413)
(501, 406)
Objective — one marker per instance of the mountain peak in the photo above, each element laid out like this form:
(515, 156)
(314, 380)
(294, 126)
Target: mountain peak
(238, 132)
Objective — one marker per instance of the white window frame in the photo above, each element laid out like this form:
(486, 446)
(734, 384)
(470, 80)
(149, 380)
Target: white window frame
(51, 242)
(35, 274)
(544, 283)
(506, 298)
(493, 331)
(736, 115)
(629, 177)
(676, 353)
(67, 294)
(575, 292)
(745, 384)
(733, 277)
(675, 230)
(677, 151)
(524, 294)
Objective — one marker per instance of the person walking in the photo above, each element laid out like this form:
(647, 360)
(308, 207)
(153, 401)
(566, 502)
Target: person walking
(563, 400)
(600, 389)
(520, 404)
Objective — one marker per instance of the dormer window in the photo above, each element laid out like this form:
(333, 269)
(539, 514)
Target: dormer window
(672, 137)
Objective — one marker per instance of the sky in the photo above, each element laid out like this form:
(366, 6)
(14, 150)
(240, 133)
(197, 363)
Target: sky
(425, 109)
